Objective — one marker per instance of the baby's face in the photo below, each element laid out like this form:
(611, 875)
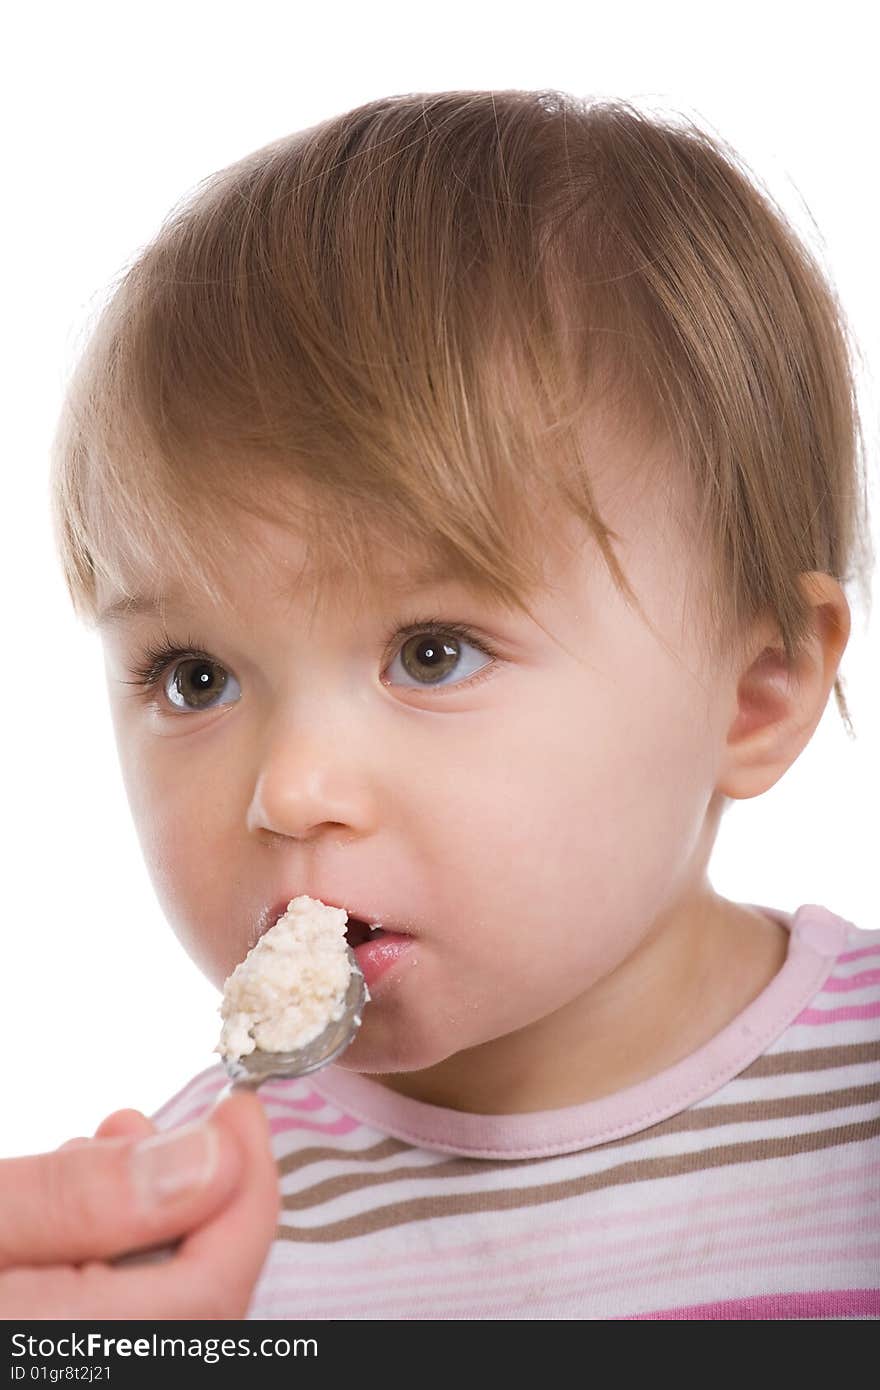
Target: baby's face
(526, 818)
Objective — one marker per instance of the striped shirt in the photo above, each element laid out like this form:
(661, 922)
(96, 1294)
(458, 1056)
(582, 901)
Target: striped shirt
(742, 1182)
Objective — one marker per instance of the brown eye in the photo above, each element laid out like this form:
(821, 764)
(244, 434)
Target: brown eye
(195, 683)
(432, 653)
(428, 658)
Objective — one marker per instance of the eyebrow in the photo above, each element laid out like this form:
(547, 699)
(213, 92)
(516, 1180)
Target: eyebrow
(123, 608)
(120, 610)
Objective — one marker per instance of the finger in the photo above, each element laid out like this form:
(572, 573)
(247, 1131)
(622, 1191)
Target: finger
(124, 1124)
(107, 1196)
(213, 1272)
(120, 1125)
(234, 1245)
(211, 1275)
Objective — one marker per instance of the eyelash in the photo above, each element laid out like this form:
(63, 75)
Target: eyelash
(157, 657)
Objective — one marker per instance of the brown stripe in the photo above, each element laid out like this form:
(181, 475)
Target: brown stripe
(301, 1158)
(377, 1218)
(687, 1121)
(811, 1059)
(782, 1063)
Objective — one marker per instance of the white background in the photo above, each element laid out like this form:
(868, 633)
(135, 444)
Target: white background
(112, 114)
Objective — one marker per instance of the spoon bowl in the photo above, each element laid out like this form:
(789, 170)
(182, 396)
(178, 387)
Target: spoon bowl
(249, 1072)
(258, 1066)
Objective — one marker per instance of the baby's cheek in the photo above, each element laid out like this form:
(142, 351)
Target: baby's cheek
(572, 877)
(196, 896)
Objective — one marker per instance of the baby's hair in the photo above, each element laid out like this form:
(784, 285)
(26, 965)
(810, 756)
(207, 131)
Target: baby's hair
(406, 327)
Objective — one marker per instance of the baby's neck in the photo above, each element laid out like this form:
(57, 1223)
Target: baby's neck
(671, 996)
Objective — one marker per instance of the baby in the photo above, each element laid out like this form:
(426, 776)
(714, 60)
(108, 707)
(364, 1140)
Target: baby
(464, 490)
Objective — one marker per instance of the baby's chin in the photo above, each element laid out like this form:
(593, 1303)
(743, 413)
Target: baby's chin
(370, 1053)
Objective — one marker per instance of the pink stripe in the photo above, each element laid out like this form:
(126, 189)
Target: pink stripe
(196, 1112)
(839, 1015)
(344, 1125)
(861, 953)
(277, 1124)
(280, 1123)
(554, 1291)
(204, 1087)
(310, 1102)
(205, 1082)
(769, 1194)
(822, 1303)
(860, 981)
(682, 1239)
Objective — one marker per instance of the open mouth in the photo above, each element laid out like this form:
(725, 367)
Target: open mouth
(357, 932)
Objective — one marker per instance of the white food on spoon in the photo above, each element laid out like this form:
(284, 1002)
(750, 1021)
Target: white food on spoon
(289, 986)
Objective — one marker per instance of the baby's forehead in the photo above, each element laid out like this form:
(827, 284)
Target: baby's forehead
(285, 586)
(235, 559)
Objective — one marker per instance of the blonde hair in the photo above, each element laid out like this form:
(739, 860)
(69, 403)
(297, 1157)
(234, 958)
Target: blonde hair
(415, 311)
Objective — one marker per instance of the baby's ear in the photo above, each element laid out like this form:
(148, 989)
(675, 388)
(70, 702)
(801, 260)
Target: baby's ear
(776, 705)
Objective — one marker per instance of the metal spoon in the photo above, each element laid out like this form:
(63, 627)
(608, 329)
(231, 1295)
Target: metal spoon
(249, 1072)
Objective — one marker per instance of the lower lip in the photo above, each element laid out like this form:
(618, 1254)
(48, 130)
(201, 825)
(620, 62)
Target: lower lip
(376, 957)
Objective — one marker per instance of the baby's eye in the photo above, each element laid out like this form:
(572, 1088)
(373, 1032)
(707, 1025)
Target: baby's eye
(191, 681)
(197, 683)
(185, 675)
(432, 652)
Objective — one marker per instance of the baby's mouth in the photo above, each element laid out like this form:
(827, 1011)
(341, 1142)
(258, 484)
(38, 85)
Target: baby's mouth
(357, 932)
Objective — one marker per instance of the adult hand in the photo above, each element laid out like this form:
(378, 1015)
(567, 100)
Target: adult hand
(63, 1215)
